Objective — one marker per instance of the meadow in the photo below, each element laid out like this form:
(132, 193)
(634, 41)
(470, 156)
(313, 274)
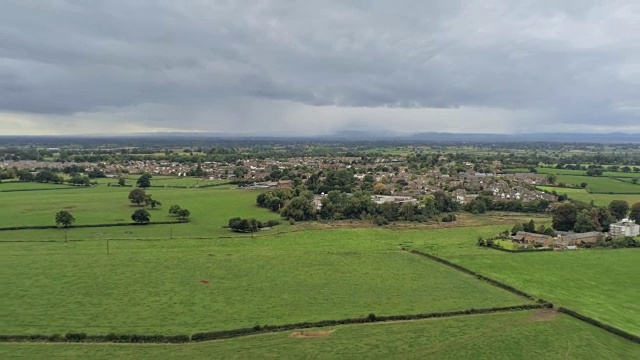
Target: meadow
(204, 285)
(586, 197)
(594, 282)
(518, 335)
(200, 276)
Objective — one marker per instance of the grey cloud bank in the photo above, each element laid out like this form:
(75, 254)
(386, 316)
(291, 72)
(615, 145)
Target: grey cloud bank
(302, 67)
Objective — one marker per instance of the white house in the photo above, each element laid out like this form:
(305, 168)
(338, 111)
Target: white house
(625, 227)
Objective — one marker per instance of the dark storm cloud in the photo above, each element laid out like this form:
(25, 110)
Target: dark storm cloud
(575, 62)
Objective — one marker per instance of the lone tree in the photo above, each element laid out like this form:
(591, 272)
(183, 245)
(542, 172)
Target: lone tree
(144, 181)
(122, 182)
(141, 216)
(151, 202)
(183, 214)
(173, 210)
(137, 196)
(635, 212)
(64, 218)
(619, 208)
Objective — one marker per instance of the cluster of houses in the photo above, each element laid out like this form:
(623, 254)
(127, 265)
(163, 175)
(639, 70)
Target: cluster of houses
(570, 241)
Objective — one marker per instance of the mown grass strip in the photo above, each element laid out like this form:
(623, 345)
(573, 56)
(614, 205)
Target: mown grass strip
(233, 333)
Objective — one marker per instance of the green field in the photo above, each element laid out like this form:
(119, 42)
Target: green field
(594, 282)
(292, 278)
(521, 335)
(584, 196)
(598, 184)
(200, 276)
(211, 208)
(11, 186)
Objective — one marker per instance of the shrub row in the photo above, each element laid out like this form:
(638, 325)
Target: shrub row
(110, 338)
(473, 273)
(609, 328)
(48, 189)
(518, 251)
(225, 334)
(31, 227)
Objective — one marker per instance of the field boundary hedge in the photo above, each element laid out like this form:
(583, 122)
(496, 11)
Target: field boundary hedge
(606, 327)
(463, 269)
(62, 187)
(40, 227)
(519, 251)
(233, 333)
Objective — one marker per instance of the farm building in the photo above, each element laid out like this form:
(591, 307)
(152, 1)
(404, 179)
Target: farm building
(625, 227)
(524, 237)
(587, 239)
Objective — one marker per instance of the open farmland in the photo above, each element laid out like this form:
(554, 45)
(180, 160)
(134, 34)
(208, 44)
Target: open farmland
(211, 207)
(199, 285)
(598, 184)
(593, 282)
(527, 334)
(199, 276)
(586, 197)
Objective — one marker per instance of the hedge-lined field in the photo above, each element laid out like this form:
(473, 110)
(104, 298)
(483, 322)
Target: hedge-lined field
(598, 199)
(177, 286)
(598, 283)
(211, 208)
(518, 335)
(597, 184)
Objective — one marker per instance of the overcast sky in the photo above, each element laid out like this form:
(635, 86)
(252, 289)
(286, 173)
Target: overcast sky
(315, 67)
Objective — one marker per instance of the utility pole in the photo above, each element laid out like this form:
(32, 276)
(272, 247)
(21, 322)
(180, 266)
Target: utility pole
(107, 246)
(171, 232)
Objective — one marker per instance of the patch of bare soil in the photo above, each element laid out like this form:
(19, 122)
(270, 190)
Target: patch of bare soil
(544, 315)
(205, 282)
(310, 334)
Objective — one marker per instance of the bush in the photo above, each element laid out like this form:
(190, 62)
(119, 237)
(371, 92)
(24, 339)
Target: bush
(449, 218)
(380, 221)
(292, 222)
(75, 336)
(272, 223)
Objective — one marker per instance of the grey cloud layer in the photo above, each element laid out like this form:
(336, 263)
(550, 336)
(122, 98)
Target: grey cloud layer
(573, 62)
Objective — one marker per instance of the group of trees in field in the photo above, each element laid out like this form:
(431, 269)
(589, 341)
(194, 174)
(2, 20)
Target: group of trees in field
(530, 226)
(250, 225)
(182, 214)
(298, 204)
(581, 217)
(485, 202)
(137, 197)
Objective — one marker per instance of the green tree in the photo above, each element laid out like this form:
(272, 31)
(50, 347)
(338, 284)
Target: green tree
(618, 208)
(173, 210)
(516, 228)
(122, 182)
(149, 201)
(551, 178)
(585, 222)
(144, 181)
(64, 218)
(141, 216)
(634, 180)
(635, 212)
(183, 214)
(564, 216)
(137, 196)
(299, 208)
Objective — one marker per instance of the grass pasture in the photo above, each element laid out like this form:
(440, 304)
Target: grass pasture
(211, 208)
(520, 335)
(204, 285)
(208, 278)
(596, 283)
(602, 185)
(598, 199)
